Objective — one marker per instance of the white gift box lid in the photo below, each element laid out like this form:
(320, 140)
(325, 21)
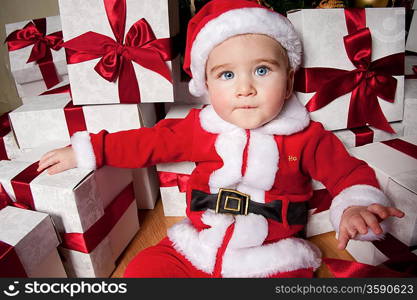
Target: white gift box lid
(28, 72)
(31, 233)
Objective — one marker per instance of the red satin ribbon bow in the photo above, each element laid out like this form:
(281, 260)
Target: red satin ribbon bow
(34, 33)
(140, 45)
(370, 79)
(169, 179)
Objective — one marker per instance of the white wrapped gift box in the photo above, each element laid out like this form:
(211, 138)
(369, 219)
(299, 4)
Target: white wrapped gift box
(410, 61)
(365, 252)
(42, 120)
(322, 31)
(410, 107)
(88, 87)
(173, 200)
(101, 261)
(76, 200)
(34, 239)
(10, 145)
(28, 91)
(25, 73)
(349, 139)
(411, 44)
(396, 173)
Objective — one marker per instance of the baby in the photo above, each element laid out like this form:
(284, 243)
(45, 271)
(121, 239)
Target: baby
(256, 151)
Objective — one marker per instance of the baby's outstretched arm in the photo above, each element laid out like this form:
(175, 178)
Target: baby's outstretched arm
(357, 219)
(58, 160)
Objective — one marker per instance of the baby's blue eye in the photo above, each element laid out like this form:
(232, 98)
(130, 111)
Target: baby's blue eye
(261, 71)
(227, 75)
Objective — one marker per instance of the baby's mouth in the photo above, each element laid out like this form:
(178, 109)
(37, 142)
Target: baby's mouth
(246, 107)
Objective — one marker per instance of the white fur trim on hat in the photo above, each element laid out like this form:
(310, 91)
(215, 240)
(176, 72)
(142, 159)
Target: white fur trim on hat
(235, 22)
(83, 149)
(363, 195)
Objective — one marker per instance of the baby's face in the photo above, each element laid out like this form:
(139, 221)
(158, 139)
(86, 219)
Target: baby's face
(248, 80)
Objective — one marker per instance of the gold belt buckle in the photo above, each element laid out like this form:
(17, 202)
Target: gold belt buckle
(226, 196)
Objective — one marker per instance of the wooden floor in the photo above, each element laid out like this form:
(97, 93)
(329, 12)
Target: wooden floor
(153, 227)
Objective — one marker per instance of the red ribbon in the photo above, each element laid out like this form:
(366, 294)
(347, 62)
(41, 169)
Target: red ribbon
(140, 45)
(34, 33)
(352, 269)
(5, 200)
(169, 179)
(88, 241)
(5, 128)
(10, 264)
(74, 117)
(370, 79)
(402, 262)
(402, 146)
(412, 76)
(363, 135)
(59, 90)
(321, 200)
(21, 185)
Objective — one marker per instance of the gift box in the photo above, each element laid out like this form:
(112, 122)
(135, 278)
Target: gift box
(28, 91)
(85, 209)
(395, 165)
(146, 187)
(52, 118)
(318, 221)
(410, 107)
(115, 229)
(173, 176)
(137, 65)
(411, 66)
(334, 78)
(411, 44)
(28, 244)
(35, 52)
(356, 137)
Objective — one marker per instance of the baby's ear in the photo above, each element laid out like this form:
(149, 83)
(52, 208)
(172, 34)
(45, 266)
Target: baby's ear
(290, 83)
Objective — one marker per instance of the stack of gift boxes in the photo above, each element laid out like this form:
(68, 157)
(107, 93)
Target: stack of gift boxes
(97, 66)
(364, 102)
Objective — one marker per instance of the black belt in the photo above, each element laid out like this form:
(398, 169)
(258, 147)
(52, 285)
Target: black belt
(237, 203)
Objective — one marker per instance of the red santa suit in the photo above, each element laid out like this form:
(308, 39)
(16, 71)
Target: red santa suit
(272, 164)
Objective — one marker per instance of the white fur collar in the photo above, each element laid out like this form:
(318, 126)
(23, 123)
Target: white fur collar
(293, 118)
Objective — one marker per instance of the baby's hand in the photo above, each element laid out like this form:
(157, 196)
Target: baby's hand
(58, 160)
(357, 219)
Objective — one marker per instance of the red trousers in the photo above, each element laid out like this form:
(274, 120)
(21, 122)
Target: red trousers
(163, 261)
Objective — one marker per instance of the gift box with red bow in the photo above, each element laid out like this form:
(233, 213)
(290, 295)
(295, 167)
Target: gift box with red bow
(28, 244)
(36, 55)
(120, 51)
(352, 74)
(53, 117)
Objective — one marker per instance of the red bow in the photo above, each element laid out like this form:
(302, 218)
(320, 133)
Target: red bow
(140, 45)
(34, 33)
(169, 179)
(370, 79)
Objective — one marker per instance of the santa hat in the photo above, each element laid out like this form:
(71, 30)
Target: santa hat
(219, 20)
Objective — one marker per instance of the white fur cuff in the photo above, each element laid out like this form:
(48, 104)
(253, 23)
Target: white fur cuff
(83, 149)
(363, 195)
